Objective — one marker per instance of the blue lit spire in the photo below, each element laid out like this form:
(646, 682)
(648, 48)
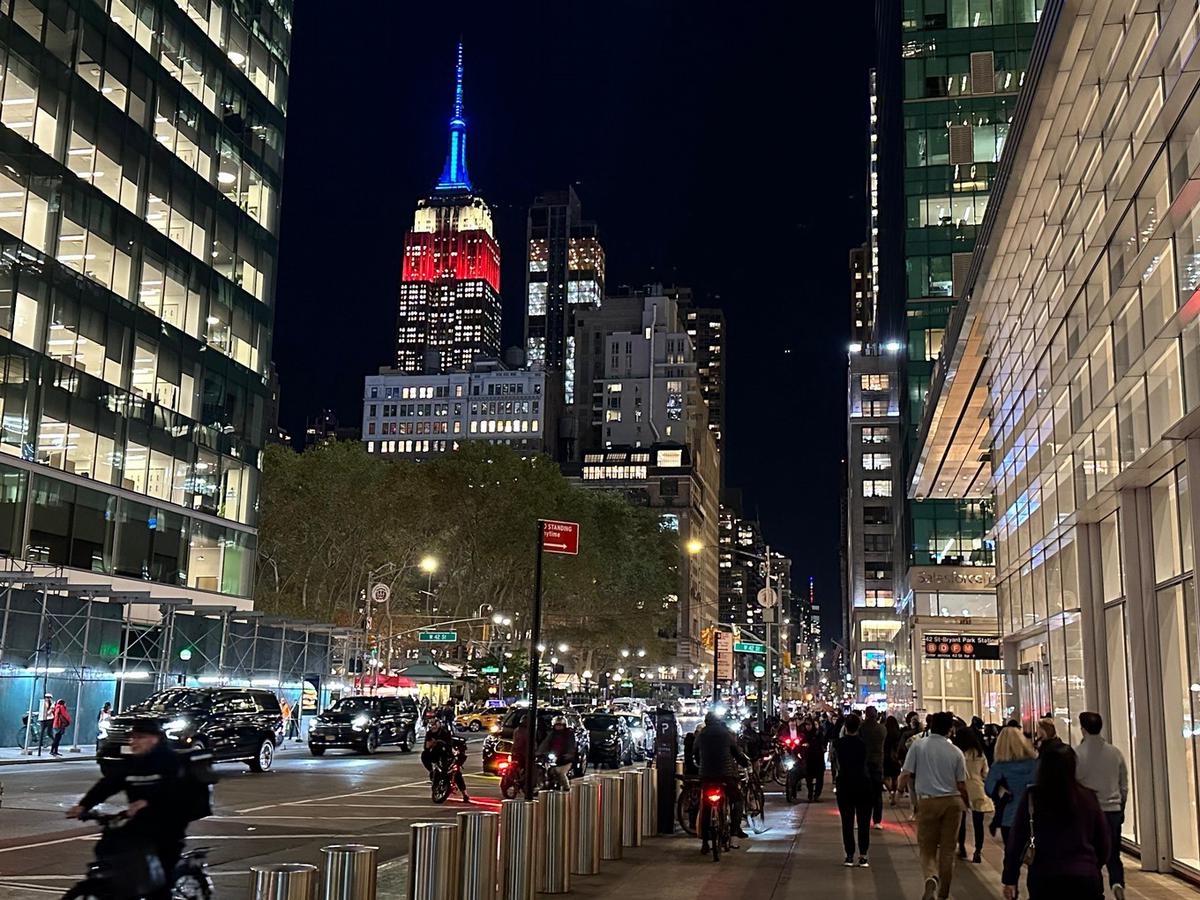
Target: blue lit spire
(454, 175)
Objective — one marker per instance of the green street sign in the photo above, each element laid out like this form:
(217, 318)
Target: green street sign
(490, 670)
(749, 647)
(759, 670)
(438, 637)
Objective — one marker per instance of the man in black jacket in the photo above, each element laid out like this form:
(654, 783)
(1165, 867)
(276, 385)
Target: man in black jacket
(720, 756)
(151, 779)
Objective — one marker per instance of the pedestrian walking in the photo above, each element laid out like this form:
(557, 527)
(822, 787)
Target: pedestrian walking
(874, 735)
(60, 719)
(814, 760)
(1060, 831)
(891, 756)
(937, 771)
(1046, 735)
(855, 790)
(1100, 767)
(102, 719)
(970, 742)
(45, 720)
(1012, 771)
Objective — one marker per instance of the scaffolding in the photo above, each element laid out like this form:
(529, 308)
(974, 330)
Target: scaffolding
(94, 643)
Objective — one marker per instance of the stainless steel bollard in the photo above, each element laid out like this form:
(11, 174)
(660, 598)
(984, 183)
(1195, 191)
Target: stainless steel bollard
(432, 861)
(478, 843)
(350, 871)
(610, 816)
(518, 849)
(283, 881)
(585, 810)
(631, 808)
(555, 825)
(649, 801)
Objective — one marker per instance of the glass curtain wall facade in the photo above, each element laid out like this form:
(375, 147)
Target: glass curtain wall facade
(1088, 302)
(962, 64)
(140, 159)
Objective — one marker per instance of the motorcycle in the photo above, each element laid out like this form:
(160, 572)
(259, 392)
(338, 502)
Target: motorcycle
(124, 864)
(512, 776)
(443, 776)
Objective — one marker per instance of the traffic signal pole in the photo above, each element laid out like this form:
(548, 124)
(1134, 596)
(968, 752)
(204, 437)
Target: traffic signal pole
(535, 663)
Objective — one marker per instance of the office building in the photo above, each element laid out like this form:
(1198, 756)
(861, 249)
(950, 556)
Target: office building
(415, 416)
(1072, 368)
(140, 163)
(706, 328)
(862, 306)
(677, 481)
(449, 308)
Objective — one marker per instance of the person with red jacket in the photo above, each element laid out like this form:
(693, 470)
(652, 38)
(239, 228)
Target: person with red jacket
(60, 719)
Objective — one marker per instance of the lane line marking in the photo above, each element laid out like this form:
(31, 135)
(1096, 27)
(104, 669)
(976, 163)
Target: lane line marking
(388, 787)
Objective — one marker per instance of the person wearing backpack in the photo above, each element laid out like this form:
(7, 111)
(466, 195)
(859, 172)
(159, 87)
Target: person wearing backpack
(60, 719)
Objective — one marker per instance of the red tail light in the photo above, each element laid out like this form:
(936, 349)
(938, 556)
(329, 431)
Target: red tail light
(502, 766)
(714, 796)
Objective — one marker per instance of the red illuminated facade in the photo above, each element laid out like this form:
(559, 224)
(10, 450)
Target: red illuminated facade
(449, 307)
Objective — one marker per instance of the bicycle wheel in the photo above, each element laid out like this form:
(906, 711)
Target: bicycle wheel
(714, 834)
(687, 807)
(755, 811)
(779, 774)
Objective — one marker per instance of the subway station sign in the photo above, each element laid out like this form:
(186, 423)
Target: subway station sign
(962, 646)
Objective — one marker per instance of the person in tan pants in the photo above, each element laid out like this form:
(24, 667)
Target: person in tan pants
(937, 773)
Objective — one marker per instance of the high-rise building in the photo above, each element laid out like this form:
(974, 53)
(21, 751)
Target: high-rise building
(449, 309)
(862, 306)
(1069, 385)
(943, 95)
(140, 169)
(564, 273)
(706, 328)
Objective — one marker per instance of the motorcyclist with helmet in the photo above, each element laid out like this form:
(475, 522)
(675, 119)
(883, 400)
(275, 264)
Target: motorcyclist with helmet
(559, 747)
(442, 746)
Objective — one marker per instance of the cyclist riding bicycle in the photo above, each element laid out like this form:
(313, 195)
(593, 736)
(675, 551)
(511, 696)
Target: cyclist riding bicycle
(152, 780)
(559, 744)
(441, 746)
(719, 757)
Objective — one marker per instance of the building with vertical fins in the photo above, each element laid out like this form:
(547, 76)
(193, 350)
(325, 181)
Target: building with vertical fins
(449, 309)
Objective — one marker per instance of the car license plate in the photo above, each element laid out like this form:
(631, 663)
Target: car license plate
(126, 749)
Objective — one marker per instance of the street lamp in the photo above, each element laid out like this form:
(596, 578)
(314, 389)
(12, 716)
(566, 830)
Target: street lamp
(624, 652)
(694, 547)
(563, 648)
(641, 653)
(428, 565)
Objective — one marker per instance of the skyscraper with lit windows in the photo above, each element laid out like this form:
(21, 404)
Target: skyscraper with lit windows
(449, 310)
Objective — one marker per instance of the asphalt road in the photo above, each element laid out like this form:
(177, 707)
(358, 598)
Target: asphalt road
(285, 815)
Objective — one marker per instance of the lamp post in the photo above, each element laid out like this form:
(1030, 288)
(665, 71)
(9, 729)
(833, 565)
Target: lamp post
(428, 565)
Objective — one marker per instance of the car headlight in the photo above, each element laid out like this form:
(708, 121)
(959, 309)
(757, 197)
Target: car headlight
(494, 729)
(176, 727)
(360, 722)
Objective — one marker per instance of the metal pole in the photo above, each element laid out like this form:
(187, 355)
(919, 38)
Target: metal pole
(4, 626)
(631, 808)
(283, 881)
(770, 671)
(432, 862)
(221, 649)
(282, 649)
(535, 663)
(350, 872)
(762, 708)
(716, 654)
(478, 839)
(519, 842)
(555, 825)
(585, 810)
(87, 627)
(126, 627)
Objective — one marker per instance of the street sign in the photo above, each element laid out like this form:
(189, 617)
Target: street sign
(490, 670)
(381, 593)
(749, 647)
(560, 537)
(768, 597)
(724, 655)
(438, 637)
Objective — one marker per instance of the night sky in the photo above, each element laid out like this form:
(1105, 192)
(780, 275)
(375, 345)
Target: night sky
(717, 147)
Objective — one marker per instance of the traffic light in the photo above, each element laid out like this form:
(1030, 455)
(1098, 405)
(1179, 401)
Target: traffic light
(708, 637)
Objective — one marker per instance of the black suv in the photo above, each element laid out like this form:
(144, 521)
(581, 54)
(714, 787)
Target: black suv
(365, 724)
(234, 724)
(497, 746)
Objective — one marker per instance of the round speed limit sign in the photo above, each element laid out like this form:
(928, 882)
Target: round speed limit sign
(381, 593)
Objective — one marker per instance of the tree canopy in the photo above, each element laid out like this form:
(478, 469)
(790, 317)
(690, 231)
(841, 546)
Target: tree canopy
(335, 514)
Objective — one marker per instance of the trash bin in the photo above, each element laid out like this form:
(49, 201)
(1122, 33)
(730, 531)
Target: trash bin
(649, 801)
(610, 816)
(432, 861)
(585, 810)
(283, 881)
(518, 849)
(631, 808)
(555, 826)
(349, 872)
(478, 844)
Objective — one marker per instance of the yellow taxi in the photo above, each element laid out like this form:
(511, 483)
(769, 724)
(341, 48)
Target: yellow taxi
(481, 719)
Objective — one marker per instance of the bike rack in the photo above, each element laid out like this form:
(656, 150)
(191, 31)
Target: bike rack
(478, 836)
(283, 881)
(350, 872)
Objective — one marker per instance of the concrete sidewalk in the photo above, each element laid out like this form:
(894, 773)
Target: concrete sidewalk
(800, 856)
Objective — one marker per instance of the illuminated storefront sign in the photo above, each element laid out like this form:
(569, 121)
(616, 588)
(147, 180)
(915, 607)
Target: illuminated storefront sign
(963, 646)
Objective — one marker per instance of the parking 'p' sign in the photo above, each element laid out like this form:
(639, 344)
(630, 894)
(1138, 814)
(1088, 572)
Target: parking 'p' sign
(560, 537)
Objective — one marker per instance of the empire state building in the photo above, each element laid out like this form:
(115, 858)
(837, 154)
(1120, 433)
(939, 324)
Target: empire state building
(449, 310)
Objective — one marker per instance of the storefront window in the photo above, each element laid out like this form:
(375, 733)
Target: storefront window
(1119, 717)
(1177, 624)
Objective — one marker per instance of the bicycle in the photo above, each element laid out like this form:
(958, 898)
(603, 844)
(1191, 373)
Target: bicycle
(687, 807)
(512, 777)
(755, 801)
(715, 813)
(123, 865)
